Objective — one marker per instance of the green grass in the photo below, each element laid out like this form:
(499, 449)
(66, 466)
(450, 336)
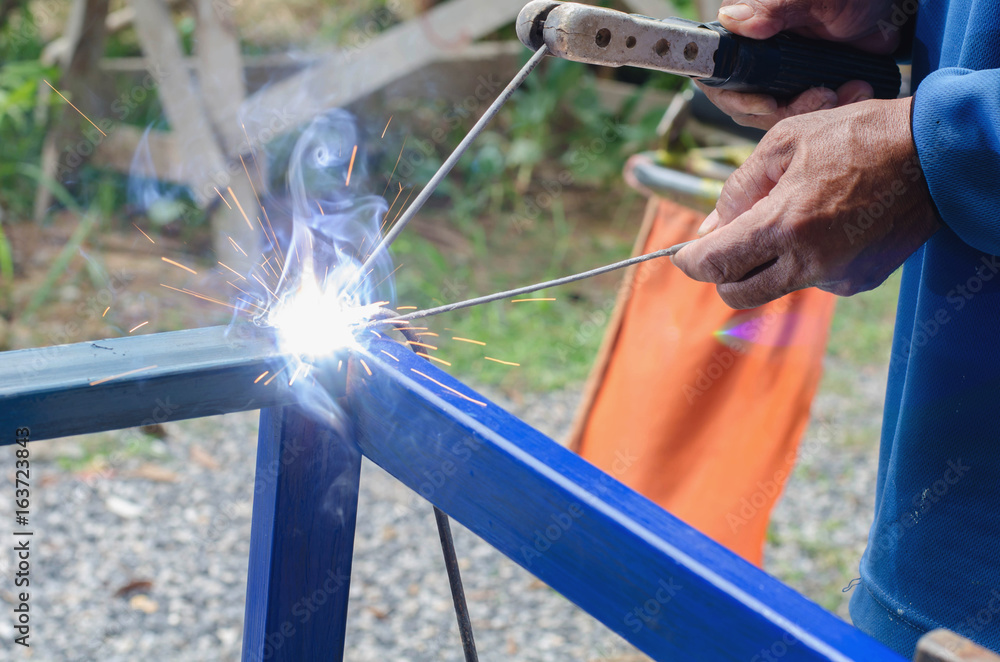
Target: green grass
(554, 342)
(99, 449)
(861, 333)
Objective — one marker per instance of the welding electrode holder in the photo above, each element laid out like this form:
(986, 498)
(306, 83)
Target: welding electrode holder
(788, 64)
(783, 66)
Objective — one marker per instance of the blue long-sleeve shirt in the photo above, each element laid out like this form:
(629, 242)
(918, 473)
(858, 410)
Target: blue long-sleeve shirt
(933, 556)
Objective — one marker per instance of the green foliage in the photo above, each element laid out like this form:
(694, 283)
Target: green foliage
(21, 131)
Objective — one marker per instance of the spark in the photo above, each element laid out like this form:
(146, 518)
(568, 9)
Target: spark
(350, 168)
(271, 378)
(139, 326)
(249, 179)
(408, 196)
(535, 299)
(398, 267)
(340, 364)
(386, 126)
(376, 333)
(236, 200)
(295, 375)
(255, 163)
(490, 358)
(201, 296)
(367, 369)
(448, 388)
(238, 275)
(239, 288)
(75, 108)
(389, 210)
(222, 196)
(389, 181)
(406, 308)
(427, 333)
(390, 356)
(178, 264)
(265, 265)
(123, 374)
(237, 246)
(261, 376)
(105, 311)
(432, 358)
(420, 344)
(276, 244)
(143, 233)
(265, 286)
(323, 213)
(474, 342)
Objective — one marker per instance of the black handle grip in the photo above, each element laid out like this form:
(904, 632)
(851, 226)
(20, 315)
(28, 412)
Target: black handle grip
(788, 64)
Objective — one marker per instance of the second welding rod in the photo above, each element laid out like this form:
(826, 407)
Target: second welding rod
(527, 289)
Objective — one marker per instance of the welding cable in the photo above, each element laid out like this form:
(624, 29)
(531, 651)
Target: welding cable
(444, 533)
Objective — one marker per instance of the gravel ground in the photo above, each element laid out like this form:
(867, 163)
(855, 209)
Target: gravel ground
(145, 552)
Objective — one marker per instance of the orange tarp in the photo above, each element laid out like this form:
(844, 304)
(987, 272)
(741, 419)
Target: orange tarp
(697, 406)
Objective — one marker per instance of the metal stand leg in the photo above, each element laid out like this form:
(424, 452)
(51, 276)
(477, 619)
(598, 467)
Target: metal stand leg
(301, 539)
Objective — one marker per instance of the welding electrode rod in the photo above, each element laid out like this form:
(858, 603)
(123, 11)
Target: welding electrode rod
(527, 289)
(455, 581)
(450, 162)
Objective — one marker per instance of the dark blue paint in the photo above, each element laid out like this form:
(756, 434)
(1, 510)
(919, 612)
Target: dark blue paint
(668, 589)
(301, 540)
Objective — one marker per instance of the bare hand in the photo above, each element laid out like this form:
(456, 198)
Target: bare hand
(835, 199)
(849, 21)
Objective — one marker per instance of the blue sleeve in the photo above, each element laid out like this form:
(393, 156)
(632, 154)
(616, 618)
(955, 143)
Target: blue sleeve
(956, 128)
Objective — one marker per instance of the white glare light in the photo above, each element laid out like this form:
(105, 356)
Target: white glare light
(316, 323)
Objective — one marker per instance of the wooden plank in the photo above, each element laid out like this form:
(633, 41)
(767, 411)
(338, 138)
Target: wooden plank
(666, 588)
(182, 105)
(204, 164)
(220, 72)
(162, 377)
(356, 72)
(946, 646)
(301, 539)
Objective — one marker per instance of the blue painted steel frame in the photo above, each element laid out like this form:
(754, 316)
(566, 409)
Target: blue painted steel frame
(666, 588)
(660, 584)
(301, 539)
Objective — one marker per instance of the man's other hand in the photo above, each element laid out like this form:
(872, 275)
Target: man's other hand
(835, 199)
(848, 21)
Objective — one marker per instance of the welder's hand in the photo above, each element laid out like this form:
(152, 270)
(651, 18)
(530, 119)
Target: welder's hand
(835, 199)
(854, 22)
